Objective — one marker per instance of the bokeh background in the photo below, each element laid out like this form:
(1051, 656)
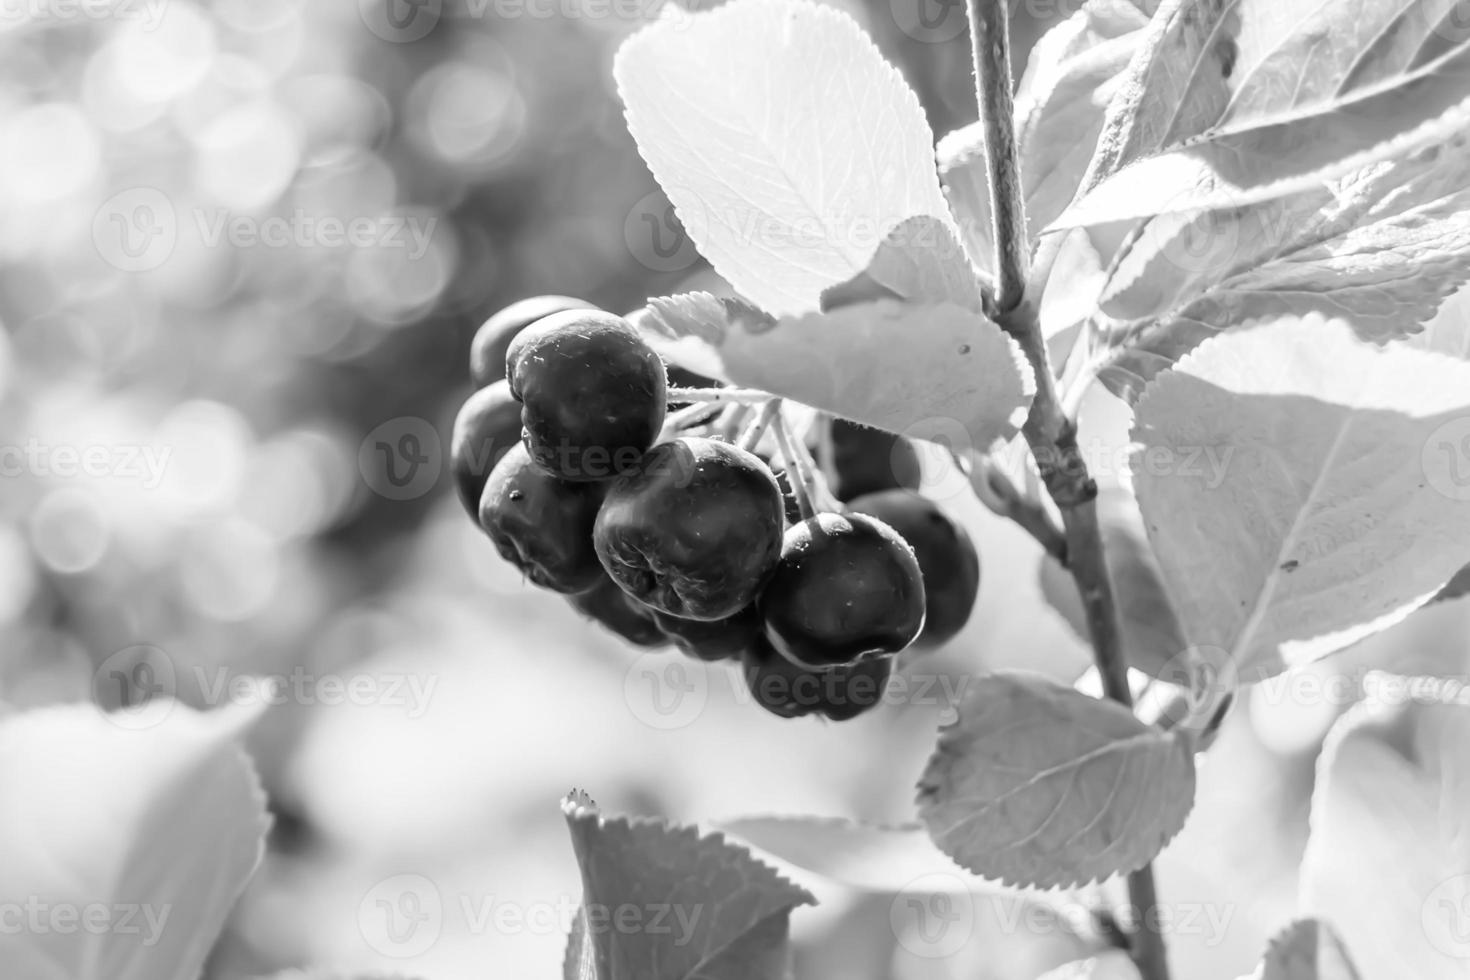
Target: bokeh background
(243, 247)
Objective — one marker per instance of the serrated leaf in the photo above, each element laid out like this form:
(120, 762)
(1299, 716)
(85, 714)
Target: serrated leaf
(1383, 247)
(727, 913)
(920, 261)
(1071, 76)
(786, 143)
(1308, 949)
(863, 855)
(1153, 638)
(957, 366)
(1340, 505)
(1297, 111)
(1038, 785)
(1393, 788)
(156, 828)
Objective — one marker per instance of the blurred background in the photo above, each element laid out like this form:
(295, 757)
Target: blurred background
(243, 247)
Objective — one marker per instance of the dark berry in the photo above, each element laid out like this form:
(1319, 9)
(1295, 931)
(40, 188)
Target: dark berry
(790, 691)
(947, 558)
(847, 586)
(542, 524)
(694, 531)
(866, 460)
(612, 607)
(720, 639)
(592, 392)
(493, 339)
(487, 427)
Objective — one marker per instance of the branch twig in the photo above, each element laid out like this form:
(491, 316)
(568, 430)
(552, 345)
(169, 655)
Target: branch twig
(1049, 431)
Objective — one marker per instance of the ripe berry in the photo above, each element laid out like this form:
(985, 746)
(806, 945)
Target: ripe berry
(847, 587)
(593, 393)
(694, 531)
(946, 556)
(790, 691)
(541, 524)
(866, 460)
(612, 607)
(493, 339)
(720, 639)
(487, 427)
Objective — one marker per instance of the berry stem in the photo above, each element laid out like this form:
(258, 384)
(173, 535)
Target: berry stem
(998, 492)
(1049, 430)
(684, 418)
(723, 396)
(728, 425)
(801, 483)
(808, 477)
(751, 437)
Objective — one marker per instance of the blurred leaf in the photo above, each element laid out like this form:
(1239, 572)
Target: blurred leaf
(1308, 949)
(722, 915)
(158, 827)
(1333, 505)
(957, 365)
(1039, 785)
(786, 143)
(1392, 794)
(1112, 965)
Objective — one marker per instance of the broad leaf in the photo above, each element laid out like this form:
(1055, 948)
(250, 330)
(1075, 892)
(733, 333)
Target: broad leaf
(1308, 949)
(1038, 785)
(1388, 862)
(787, 145)
(1260, 105)
(919, 261)
(957, 367)
(1383, 247)
(1341, 504)
(1153, 638)
(157, 828)
(724, 914)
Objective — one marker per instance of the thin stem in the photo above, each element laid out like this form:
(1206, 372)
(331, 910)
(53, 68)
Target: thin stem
(751, 437)
(990, 46)
(998, 492)
(685, 418)
(721, 396)
(1050, 432)
(727, 426)
(801, 482)
(806, 470)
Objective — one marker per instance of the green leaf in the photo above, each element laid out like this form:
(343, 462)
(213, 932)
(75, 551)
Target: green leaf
(1339, 505)
(156, 829)
(957, 368)
(1393, 789)
(786, 143)
(1152, 635)
(711, 911)
(1038, 785)
(1268, 108)
(1307, 949)
(1383, 247)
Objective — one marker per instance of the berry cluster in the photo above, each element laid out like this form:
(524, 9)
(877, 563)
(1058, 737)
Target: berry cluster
(674, 527)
